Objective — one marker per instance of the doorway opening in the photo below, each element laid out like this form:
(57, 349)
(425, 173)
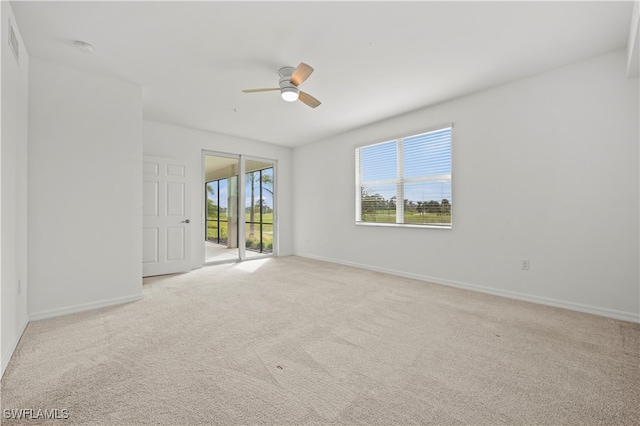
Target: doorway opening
(234, 184)
(221, 208)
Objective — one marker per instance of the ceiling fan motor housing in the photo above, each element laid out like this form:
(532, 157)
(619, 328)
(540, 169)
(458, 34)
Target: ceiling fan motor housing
(288, 90)
(286, 72)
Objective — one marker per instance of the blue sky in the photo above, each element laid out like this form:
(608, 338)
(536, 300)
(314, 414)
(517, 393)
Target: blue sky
(426, 154)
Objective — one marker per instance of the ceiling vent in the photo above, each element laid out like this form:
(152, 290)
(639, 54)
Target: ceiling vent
(13, 43)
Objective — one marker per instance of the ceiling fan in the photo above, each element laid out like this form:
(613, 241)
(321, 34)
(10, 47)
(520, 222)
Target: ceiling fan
(290, 79)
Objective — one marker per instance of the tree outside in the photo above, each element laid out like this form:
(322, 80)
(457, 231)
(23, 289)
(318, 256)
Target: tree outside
(375, 208)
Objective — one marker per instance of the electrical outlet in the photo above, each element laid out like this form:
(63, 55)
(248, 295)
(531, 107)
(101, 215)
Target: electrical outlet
(524, 264)
(19, 286)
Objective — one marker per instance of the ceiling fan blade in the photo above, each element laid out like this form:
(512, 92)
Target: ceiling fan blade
(300, 74)
(308, 99)
(260, 90)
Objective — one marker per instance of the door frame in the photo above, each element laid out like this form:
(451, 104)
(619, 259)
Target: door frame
(203, 205)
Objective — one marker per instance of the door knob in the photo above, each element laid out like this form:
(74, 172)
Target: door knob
(186, 221)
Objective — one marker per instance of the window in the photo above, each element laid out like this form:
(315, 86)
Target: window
(406, 181)
(217, 223)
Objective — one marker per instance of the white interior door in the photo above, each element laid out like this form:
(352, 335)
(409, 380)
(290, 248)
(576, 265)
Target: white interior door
(166, 229)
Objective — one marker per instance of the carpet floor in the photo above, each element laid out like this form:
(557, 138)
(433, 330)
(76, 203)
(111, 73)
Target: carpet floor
(291, 340)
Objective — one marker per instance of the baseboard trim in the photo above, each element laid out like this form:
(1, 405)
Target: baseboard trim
(589, 309)
(6, 356)
(52, 313)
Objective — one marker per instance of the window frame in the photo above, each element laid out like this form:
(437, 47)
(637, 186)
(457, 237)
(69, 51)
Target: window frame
(218, 239)
(400, 181)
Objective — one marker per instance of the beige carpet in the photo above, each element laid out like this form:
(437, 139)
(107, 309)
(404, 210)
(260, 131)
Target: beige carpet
(297, 341)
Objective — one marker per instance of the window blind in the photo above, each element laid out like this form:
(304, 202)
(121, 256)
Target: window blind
(406, 181)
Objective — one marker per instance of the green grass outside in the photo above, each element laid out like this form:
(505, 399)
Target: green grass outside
(212, 230)
(384, 216)
(253, 241)
(266, 218)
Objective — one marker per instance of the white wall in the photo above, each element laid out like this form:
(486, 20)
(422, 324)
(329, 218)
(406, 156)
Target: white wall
(544, 168)
(186, 145)
(633, 44)
(13, 189)
(85, 186)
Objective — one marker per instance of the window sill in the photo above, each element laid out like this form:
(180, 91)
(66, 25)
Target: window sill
(403, 225)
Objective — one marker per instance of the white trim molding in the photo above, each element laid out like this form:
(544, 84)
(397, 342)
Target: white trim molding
(589, 309)
(52, 313)
(8, 353)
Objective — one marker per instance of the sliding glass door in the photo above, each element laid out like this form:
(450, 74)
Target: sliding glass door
(233, 184)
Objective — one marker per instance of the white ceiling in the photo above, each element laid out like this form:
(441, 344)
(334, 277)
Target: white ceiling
(372, 60)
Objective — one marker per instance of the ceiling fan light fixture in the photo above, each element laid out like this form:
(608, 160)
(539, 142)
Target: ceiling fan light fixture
(290, 79)
(289, 94)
